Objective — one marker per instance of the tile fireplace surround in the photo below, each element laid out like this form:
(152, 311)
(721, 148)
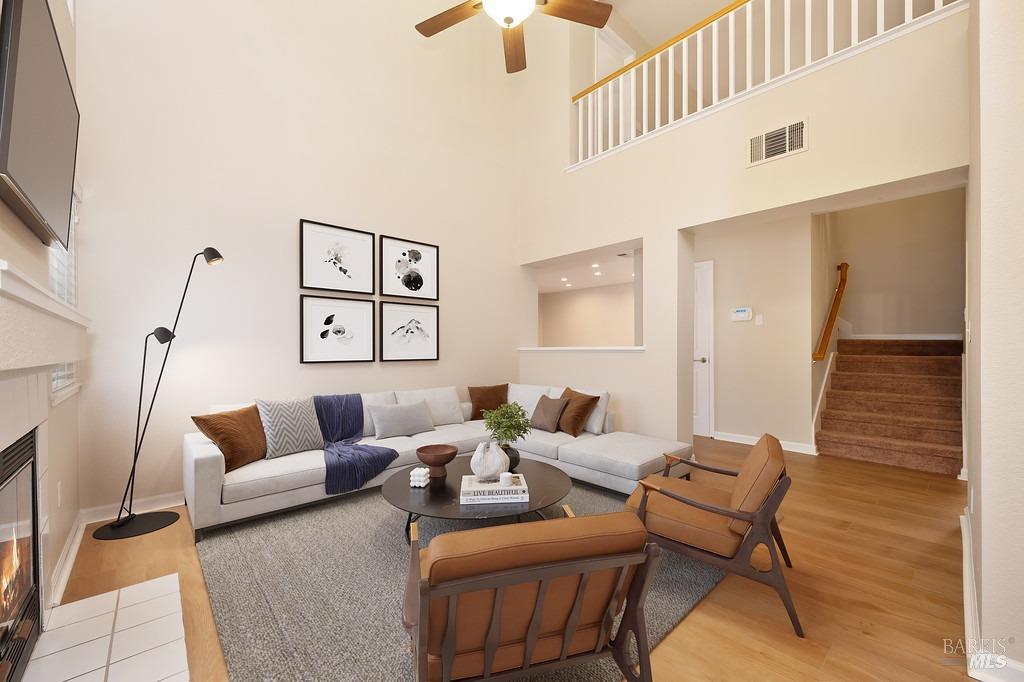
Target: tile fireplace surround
(37, 331)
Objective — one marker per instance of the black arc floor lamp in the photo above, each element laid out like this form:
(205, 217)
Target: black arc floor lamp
(128, 523)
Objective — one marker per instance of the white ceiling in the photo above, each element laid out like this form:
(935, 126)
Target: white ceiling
(658, 20)
(578, 269)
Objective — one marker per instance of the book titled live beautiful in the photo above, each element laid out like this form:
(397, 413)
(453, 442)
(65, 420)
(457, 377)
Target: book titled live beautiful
(475, 491)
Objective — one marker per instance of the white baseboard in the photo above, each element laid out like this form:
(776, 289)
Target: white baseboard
(789, 445)
(907, 337)
(1013, 671)
(66, 561)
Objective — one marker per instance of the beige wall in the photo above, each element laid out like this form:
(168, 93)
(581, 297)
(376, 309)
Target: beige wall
(595, 316)
(906, 264)
(996, 373)
(824, 278)
(762, 373)
(270, 114)
(874, 124)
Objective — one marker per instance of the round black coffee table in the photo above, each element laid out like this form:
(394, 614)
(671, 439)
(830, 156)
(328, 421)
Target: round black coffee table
(440, 499)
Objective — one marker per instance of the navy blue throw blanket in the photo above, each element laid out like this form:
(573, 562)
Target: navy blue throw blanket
(349, 464)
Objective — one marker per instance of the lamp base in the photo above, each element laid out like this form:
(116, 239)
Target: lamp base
(134, 525)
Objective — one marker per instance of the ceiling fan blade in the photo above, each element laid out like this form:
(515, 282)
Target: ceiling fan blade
(515, 48)
(449, 18)
(589, 12)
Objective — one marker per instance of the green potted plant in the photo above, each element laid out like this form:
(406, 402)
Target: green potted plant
(507, 424)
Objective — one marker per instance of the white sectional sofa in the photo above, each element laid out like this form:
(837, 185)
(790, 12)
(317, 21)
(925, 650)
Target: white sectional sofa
(600, 456)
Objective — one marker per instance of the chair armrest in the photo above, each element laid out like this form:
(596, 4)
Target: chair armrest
(202, 474)
(715, 470)
(721, 511)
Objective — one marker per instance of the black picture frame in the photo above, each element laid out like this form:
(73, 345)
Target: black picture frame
(382, 269)
(305, 223)
(302, 327)
(382, 333)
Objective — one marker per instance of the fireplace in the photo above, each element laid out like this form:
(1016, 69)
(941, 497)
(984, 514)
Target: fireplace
(19, 593)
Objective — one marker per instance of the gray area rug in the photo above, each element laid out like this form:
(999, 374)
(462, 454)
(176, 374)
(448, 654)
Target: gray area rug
(316, 594)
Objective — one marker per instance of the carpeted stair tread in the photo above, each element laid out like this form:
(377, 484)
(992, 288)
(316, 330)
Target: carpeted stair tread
(891, 444)
(897, 383)
(925, 365)
(895, 419)
(911, 398)
(929, 347)
(890, 426)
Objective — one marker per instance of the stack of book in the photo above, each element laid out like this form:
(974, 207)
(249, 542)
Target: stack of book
(475, 491)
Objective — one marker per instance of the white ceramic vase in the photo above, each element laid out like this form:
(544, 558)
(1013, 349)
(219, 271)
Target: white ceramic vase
(489, 461)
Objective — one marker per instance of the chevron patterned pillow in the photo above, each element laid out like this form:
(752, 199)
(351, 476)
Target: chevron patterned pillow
(290, 425)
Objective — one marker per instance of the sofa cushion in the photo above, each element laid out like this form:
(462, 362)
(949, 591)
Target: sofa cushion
(486, 398)
(237, 433)
(444, 404)
(403, 445)
(547, 444)
(526, 395)
(276, 475)
(628, 455)
(577, 412)
(549, 411)
(401, 420)
(596, 422)
(381, 398)
(463, 437)
(290, 426)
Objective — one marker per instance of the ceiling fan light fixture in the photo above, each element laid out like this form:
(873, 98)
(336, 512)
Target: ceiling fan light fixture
(509, 13)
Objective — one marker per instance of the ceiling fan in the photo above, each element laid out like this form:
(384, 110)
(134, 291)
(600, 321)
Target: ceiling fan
(510, 14)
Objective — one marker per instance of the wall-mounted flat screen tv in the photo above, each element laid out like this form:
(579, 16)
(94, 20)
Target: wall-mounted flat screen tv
(38, 121)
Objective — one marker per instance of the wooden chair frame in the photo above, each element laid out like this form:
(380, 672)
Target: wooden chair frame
(764, 530)
(632, 618)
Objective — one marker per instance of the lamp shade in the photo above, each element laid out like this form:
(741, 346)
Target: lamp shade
(509, 13)
(212, 255)
(163, 334)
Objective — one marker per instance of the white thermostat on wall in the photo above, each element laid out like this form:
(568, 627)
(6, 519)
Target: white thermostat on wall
(742, 314)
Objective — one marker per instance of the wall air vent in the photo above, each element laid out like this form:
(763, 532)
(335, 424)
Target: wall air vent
(778, 143)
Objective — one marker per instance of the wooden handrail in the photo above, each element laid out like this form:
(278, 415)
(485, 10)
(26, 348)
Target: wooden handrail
(833, 314)
(664, 46)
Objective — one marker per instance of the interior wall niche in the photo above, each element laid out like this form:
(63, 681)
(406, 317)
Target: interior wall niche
(591, 299)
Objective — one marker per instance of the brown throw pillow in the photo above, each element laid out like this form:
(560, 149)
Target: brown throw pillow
(487, 398)
(576, 413)
(238, 434)
(548, 411)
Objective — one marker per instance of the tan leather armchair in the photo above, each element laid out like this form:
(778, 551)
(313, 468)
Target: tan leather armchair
(508, 601)
(723, 527)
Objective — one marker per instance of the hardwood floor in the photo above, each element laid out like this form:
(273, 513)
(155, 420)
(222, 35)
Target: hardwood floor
(876, 579)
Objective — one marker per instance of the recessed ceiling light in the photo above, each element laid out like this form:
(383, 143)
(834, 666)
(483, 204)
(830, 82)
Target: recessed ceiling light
(597, 274)
(595, 265)
(569, 285)
(565, 279)
(633, 275)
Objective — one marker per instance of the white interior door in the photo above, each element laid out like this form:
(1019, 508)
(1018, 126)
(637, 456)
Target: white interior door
(703, 348)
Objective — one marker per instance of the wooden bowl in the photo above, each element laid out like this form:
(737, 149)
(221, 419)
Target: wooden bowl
(437, 457)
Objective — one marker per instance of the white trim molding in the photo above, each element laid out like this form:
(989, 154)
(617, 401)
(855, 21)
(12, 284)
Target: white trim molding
(15, 284)
(59, 396)
(824, 387)
(907, 337)
(788, 445)
(582, 349)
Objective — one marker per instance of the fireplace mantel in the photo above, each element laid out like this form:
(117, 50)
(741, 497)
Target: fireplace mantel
(39, 329)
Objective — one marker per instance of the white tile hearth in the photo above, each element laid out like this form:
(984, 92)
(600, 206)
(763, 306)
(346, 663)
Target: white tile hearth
(133, 634)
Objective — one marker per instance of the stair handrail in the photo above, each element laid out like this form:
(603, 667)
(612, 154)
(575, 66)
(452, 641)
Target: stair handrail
(833, 315)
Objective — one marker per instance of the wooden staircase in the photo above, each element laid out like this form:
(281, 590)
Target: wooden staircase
(895, 402)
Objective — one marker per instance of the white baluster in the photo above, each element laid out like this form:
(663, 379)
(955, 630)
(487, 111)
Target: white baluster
(700, 71)
(657, 90)
(732, 53)
(611, 116)
(622, 110)
(787, 23)
(647, 99)
(830, 19)
(750, 45)
(908, 11)
(590, 125)
(808, 25)
(579, 125)
(880, 17)
(632, 104)
(854, 22)
(671, 83)
(600, 121)
(686, 77)
(714, 63)
(767, 40)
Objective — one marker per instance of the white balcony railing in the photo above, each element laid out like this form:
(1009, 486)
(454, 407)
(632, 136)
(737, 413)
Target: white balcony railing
(745, 46)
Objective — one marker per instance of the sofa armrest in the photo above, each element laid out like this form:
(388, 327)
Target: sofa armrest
(609, 422)
(203, 479)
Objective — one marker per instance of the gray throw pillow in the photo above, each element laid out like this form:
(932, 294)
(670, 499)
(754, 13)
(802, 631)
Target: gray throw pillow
(401, 420)
(290, 426)
(547, 413)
